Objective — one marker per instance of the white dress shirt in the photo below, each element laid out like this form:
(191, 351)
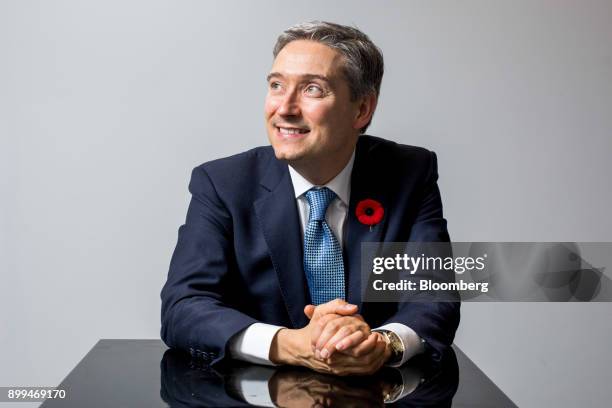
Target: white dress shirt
(253, 343)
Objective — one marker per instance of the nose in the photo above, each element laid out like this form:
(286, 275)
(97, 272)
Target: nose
(289, 104)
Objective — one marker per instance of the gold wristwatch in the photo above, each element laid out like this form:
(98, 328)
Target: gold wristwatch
(396, 345)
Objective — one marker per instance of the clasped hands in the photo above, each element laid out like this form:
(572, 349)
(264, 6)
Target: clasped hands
(336, 340)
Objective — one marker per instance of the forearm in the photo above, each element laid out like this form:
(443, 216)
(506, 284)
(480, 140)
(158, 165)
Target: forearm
(287, 349)
(194, 324)
(254, 343)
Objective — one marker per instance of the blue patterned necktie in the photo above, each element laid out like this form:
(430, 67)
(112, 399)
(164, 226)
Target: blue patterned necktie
(322, 253)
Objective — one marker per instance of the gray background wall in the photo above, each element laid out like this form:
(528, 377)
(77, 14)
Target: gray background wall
(106, 106)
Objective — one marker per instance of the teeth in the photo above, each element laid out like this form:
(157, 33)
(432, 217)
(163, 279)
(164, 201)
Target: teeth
(292, 131)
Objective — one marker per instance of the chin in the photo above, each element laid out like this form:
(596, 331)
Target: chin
(287, 156)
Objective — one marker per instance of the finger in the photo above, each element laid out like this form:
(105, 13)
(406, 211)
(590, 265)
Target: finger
(341, 334)
(363, 348)
(341, 327)
(337, 306)
(370, 363)
(358, 365)
(353, 325)
(318, 327)
(367, 364)
(350, 341)
(328, 332)
(380, 359)
(309, 311)
(376, 354)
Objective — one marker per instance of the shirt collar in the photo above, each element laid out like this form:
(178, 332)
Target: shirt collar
(341, 184)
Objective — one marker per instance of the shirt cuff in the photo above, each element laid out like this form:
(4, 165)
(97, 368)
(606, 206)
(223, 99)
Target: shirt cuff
(251, 383)
(253, 343)
(413, 344)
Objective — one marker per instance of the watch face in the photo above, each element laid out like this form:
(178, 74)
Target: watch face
(396, 343)
(398, 349)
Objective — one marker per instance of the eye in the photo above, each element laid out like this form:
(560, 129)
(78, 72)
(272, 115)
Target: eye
(275, 86)
(314, 90)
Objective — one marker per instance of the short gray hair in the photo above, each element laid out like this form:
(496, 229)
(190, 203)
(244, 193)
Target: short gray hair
(364, 65)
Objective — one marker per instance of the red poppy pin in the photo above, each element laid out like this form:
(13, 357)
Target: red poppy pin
(369, 212)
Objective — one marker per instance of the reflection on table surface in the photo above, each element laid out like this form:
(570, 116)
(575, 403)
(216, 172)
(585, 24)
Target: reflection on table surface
(422, 382)
(144, 373)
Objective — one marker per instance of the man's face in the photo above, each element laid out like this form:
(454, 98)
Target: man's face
(309, 114)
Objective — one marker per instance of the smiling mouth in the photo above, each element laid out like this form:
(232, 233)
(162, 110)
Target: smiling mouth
(291, 131)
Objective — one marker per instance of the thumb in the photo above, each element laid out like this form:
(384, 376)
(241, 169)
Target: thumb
(309, 311)
(337, 306)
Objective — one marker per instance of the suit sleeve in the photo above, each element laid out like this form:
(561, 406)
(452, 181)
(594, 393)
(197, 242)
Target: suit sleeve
(196, 313)
(435, 322)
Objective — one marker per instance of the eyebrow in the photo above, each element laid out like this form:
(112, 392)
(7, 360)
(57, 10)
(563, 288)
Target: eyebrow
(305, 77)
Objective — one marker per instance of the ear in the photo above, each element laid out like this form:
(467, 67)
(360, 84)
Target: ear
(366, 107)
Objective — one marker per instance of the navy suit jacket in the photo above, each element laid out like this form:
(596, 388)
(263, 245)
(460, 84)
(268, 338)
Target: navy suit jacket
(239, 256)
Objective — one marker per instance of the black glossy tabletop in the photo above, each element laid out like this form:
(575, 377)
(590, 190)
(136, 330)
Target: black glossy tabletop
(144, 373)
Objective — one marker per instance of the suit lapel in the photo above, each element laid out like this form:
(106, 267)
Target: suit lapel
(364, 185)
(278, 217)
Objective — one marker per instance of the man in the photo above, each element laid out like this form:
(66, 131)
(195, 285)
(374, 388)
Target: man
(267, 264)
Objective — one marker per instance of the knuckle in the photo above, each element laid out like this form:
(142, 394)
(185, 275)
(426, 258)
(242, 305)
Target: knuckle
(326, 319)
(323, 338)
(349, 319)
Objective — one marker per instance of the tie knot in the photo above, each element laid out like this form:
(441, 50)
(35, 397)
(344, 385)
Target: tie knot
(319, 199)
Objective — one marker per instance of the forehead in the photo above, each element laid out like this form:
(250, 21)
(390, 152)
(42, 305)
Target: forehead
(305, 57)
